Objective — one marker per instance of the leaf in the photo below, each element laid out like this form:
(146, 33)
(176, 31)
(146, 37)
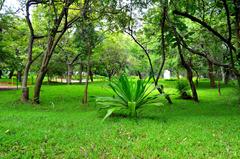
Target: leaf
(109, 112)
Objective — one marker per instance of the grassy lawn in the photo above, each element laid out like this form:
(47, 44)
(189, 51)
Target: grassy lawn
(60, 127)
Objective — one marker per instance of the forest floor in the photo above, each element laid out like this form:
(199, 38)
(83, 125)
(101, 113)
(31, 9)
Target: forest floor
(60, 127)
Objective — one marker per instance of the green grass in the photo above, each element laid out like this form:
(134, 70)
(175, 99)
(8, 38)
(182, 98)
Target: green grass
(60, 127)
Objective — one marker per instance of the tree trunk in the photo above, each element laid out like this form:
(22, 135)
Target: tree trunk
(80, 73)
(211, 74)
(69, 73)
(25, 94)
(193, 88)
(25, 91)
(91, 74)
(225, 75)
(53, 40)
(237, 25)
(19, 76)
(187, 67)
(109, 77)
(38, 85)
(1, 74)
(85, 96)
(139, 74)
(219, 88)
(43, 69)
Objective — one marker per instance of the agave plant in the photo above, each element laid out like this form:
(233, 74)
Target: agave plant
(131, 96)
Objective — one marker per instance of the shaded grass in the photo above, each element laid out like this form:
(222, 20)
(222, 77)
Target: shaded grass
(60, 127)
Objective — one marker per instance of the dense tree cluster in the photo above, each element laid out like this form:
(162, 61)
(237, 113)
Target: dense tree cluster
(57, 38)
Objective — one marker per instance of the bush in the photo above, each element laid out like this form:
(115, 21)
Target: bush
(131, 97)
(183, 89)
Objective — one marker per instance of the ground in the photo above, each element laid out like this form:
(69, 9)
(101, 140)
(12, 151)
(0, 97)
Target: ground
(60, 127)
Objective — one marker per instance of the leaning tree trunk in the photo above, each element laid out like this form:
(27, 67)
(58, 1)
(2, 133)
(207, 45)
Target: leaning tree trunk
(43, 69)
(139, 75)
(25, 89)
(53, 40)
(38, 85)
(211, 74)
(193, 88)
(187, 67)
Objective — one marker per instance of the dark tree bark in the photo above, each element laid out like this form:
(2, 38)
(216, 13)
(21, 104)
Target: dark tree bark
(109, 76)
(219, 88)
(197, 79)
(211, 74)
(1, 74)
(80, 73)
(139, 74)
(91, 74)
(19, 76)
(187, 67)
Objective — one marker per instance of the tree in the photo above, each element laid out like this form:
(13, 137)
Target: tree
(112, 55)
(60, 24)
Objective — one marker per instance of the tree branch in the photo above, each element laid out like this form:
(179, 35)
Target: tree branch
(205, 25)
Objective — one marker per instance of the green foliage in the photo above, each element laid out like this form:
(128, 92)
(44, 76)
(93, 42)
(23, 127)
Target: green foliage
(132, 97)
(182, 88)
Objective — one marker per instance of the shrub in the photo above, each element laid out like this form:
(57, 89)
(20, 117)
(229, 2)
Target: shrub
(183, 89)
(131, 96)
